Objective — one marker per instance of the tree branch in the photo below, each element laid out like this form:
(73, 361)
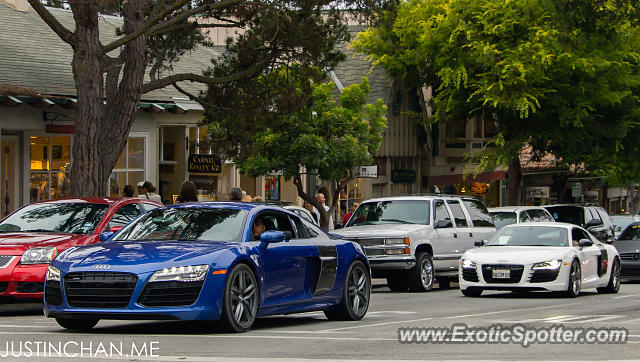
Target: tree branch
(65, 34)
(164, 82)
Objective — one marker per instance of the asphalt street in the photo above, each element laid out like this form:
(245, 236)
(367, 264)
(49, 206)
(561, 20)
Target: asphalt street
(312, 336)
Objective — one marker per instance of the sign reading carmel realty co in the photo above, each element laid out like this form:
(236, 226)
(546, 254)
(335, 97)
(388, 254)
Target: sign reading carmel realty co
(204, 164)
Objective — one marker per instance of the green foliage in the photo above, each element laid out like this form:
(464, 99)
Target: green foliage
(560, 75)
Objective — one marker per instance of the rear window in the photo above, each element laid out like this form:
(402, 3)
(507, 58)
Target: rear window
(479, 213)
(501, 219)
(570, 214)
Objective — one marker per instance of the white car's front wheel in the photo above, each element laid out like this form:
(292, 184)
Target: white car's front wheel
(575, 280)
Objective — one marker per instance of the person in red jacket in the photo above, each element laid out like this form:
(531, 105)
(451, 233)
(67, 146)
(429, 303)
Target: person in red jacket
(346, 216)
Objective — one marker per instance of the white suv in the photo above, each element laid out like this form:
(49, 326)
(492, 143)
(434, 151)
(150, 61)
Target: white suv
(412, 240)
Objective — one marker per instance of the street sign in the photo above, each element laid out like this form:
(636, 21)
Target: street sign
(576, 189)
(367, 171)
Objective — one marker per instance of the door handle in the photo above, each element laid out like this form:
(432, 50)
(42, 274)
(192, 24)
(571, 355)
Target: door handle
(471, 234)
(455, 235)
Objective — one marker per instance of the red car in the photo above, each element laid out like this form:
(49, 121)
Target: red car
(32, 236)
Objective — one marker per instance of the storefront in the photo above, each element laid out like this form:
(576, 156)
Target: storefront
(487, 186)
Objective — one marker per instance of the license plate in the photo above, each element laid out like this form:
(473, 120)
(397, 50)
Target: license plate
(501, 273)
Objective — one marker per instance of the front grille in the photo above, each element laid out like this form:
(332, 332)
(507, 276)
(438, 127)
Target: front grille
(5, 260)
(470, 274)
(30, 287)
(515, 275)
(53, 293)
(373, 252)
(630, 256)
(3, 286)
(543, 276)
(369, 241)
(170, 294)
(99, 289)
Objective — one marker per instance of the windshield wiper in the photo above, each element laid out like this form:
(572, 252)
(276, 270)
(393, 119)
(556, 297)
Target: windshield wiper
(400, 221)
(38, 231)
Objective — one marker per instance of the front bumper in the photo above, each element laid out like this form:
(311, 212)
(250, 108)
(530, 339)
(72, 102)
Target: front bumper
(630, 268)
(392, 262)
(208, 305)
(525, 282)
(22, 281)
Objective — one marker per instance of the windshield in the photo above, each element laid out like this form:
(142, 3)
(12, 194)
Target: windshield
(631, 233)
(187, 224)
(621, 222)
(71, 218)
(501, 219)
(391, 212)
(570, 214)
(531, 236)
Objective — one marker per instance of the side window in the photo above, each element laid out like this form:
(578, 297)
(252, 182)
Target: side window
(588, 215)
(147, 206)
(525, 217)
(301, 232)
(458, 214)
(124, 214)
(441, 212)
(546, 216)
(604, 216)
(577, 235)
(479, 213)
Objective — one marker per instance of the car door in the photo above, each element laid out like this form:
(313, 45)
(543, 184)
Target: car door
(588, 257)
(286, 265)
(445, 241)
(326, 265)
(463, 227)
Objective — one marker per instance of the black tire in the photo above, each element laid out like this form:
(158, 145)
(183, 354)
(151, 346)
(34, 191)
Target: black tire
(471, 292)
(575, 280)
(397, 283)
(444, 283)
(77, 323)
(240, 304)
(421, 277)
(355, 297)
(614, 280)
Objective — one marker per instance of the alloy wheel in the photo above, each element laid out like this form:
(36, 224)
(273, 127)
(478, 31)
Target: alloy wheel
(243, 298)
(358, 291)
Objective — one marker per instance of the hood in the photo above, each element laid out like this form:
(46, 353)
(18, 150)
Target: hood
(515, 254)
(382, 230)
(24, 241)
(140, 253)
(627, 246)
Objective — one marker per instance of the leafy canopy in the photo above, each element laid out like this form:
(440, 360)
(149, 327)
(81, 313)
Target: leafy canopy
(561, 75)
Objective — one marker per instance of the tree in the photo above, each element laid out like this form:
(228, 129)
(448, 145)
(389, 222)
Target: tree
(296, 126)
(109, 78)
(560, 75)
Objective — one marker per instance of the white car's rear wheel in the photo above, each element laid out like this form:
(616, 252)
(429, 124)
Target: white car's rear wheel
(614, 279)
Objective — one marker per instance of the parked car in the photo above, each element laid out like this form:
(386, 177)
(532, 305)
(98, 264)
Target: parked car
(203, 261)
(302, 212)
(593, 218)
(508, 215)
(558, 257)
(620, 222)
(412, 240)
(32, 236)
(628, 245)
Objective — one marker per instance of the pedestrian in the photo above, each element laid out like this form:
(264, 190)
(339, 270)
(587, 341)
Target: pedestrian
(258, 199)
(139, 184)
(247, 198)
(148, 192)
(235, 194)
(321, 199)
(128, 191)
(346, 216)
(187, 192)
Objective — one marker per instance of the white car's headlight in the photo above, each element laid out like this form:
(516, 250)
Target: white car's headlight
(547, 265)
(397, 241)
(38, 256)
(191, 273)
(467, 264)
(53, 274)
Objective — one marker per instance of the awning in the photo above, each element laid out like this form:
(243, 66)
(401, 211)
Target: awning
(487, 177)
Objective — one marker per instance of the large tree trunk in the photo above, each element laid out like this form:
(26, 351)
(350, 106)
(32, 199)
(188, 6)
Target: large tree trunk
(513, 182)
(101, 130)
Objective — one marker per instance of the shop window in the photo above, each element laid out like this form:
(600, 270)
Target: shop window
(456, 129)
(347, 197)
(272, 187)
(50, 163)
(129, 169)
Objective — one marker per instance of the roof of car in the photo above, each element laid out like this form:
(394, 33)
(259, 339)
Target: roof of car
(225, 204)
(420, 197)
(573, 205)
(88, 200)
(537, 224)
(514, 208)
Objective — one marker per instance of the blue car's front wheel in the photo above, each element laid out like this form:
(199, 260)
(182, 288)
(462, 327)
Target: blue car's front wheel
(355, 298)
(240, 304)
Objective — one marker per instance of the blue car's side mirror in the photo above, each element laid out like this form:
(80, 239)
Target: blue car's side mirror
(269, 237)
(105, 237)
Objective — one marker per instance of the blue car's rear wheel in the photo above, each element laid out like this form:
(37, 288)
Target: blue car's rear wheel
(356, 295)
(240, 304)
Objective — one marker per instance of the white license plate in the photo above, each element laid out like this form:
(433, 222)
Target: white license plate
(501, 273)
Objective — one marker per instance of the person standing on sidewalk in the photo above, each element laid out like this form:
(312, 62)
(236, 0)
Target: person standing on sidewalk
(321, 199)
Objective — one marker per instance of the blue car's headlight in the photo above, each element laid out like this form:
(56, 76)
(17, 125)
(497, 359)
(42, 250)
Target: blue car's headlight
(38, 256)
(191, 273)
(53, 274)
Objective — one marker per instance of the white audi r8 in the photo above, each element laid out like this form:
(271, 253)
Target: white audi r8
(557, 257)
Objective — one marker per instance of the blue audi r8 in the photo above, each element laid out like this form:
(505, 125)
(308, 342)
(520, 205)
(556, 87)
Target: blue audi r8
(223, 261)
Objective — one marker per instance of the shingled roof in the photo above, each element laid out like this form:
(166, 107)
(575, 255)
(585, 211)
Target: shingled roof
(355, 66)
(33, 56)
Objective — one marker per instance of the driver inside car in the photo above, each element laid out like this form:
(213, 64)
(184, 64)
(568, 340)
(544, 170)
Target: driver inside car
(258, 227)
